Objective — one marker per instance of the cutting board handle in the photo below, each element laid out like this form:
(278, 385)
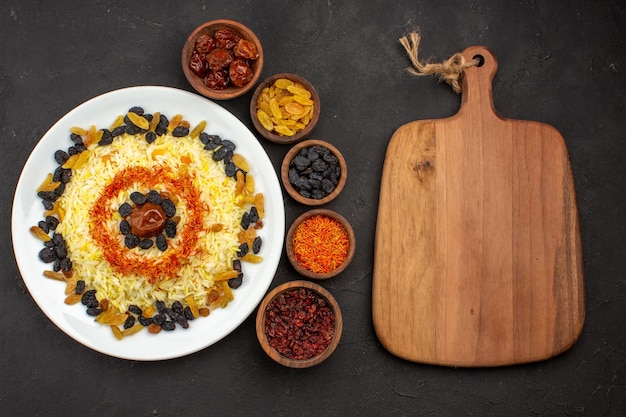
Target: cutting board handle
(476, 82)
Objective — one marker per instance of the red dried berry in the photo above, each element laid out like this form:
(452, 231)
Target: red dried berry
(240, 72)
(219, 58)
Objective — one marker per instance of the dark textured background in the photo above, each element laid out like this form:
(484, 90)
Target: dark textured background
(560, 62)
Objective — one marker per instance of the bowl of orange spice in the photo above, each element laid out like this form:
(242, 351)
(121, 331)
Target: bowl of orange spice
(320, 244)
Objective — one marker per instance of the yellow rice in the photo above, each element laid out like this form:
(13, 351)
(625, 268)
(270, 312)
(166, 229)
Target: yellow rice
(215, 250)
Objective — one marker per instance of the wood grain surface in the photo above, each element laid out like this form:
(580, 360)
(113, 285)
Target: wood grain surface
(478, 256)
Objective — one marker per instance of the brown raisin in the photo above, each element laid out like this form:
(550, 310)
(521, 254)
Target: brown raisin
(246, 50)
(226, 38)
(219, 58)
(240, 73)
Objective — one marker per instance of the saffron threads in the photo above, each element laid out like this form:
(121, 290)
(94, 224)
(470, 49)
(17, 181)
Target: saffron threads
(320, 244)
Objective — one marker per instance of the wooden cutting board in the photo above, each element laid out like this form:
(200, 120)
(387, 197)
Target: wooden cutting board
(478, 257)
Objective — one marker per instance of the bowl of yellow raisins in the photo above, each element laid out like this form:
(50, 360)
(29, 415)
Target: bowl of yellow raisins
(285, 108)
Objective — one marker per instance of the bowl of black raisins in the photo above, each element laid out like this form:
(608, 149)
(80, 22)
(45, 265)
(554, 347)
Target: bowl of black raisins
(314, 172)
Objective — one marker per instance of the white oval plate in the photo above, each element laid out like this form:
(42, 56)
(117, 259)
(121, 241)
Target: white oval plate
(101, 111)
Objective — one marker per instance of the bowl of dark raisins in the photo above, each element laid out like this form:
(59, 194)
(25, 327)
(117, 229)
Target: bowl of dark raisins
(314, 172)
(299, 324)
(222, 59)
(285, 108)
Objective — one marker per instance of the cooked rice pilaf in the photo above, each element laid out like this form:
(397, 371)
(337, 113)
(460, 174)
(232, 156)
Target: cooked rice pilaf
(209, 208)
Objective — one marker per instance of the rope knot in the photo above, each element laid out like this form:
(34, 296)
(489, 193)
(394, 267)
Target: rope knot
(449, 71)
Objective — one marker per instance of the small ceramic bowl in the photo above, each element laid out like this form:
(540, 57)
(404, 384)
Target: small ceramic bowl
(289, 187)
(272, 136)
(197, 82)
(290, 294)
(290, 246)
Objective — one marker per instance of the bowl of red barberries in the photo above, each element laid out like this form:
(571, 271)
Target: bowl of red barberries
(222, 59)
(299, 324)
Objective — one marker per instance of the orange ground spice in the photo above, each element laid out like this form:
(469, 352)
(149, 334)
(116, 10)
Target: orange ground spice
(320, 244)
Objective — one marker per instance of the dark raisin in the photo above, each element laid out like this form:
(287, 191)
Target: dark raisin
(137, 110)
(106, 139)
(76, 138)
(150, 137)
(312, 155)
(72, 150)
(94, 311)
(146, 243)
(88, 296)
(130, 322)
(125, 210)
(65, 264)
(236, 282)
(47, 205)
(228, 145)
(138, 198)
(134, 309)
(170, 229)
(59, 190)
(303, 184)
(158, 318)
(171, 314)
(160, 305)
(168, 325)
(243, 250)
(219, 154)
(124, 227)
(131, 241)
(316, 194)
(154, 197)
(228, 156)
(169, 208)
(43, 226)
(301, 162)
(293, 176)
(131, 129)
(47, 255)
(182, 320)
(230, 169)
(48, 195)
(61, 157)
(161, 243)
(52, 222)
(80, 287)
(188, 314)
(60, 250)
(254, 215)
(161, 127)
(245, 220)
(144, 321)
(328, 186)
(56, 265)
(319, 165)
(256, 245)
(204, 138)
(120, 130)
(213, 142)
(237, 265)
(177, 306)
(180, 131)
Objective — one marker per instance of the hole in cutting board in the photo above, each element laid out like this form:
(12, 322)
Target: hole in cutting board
(481, 60)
